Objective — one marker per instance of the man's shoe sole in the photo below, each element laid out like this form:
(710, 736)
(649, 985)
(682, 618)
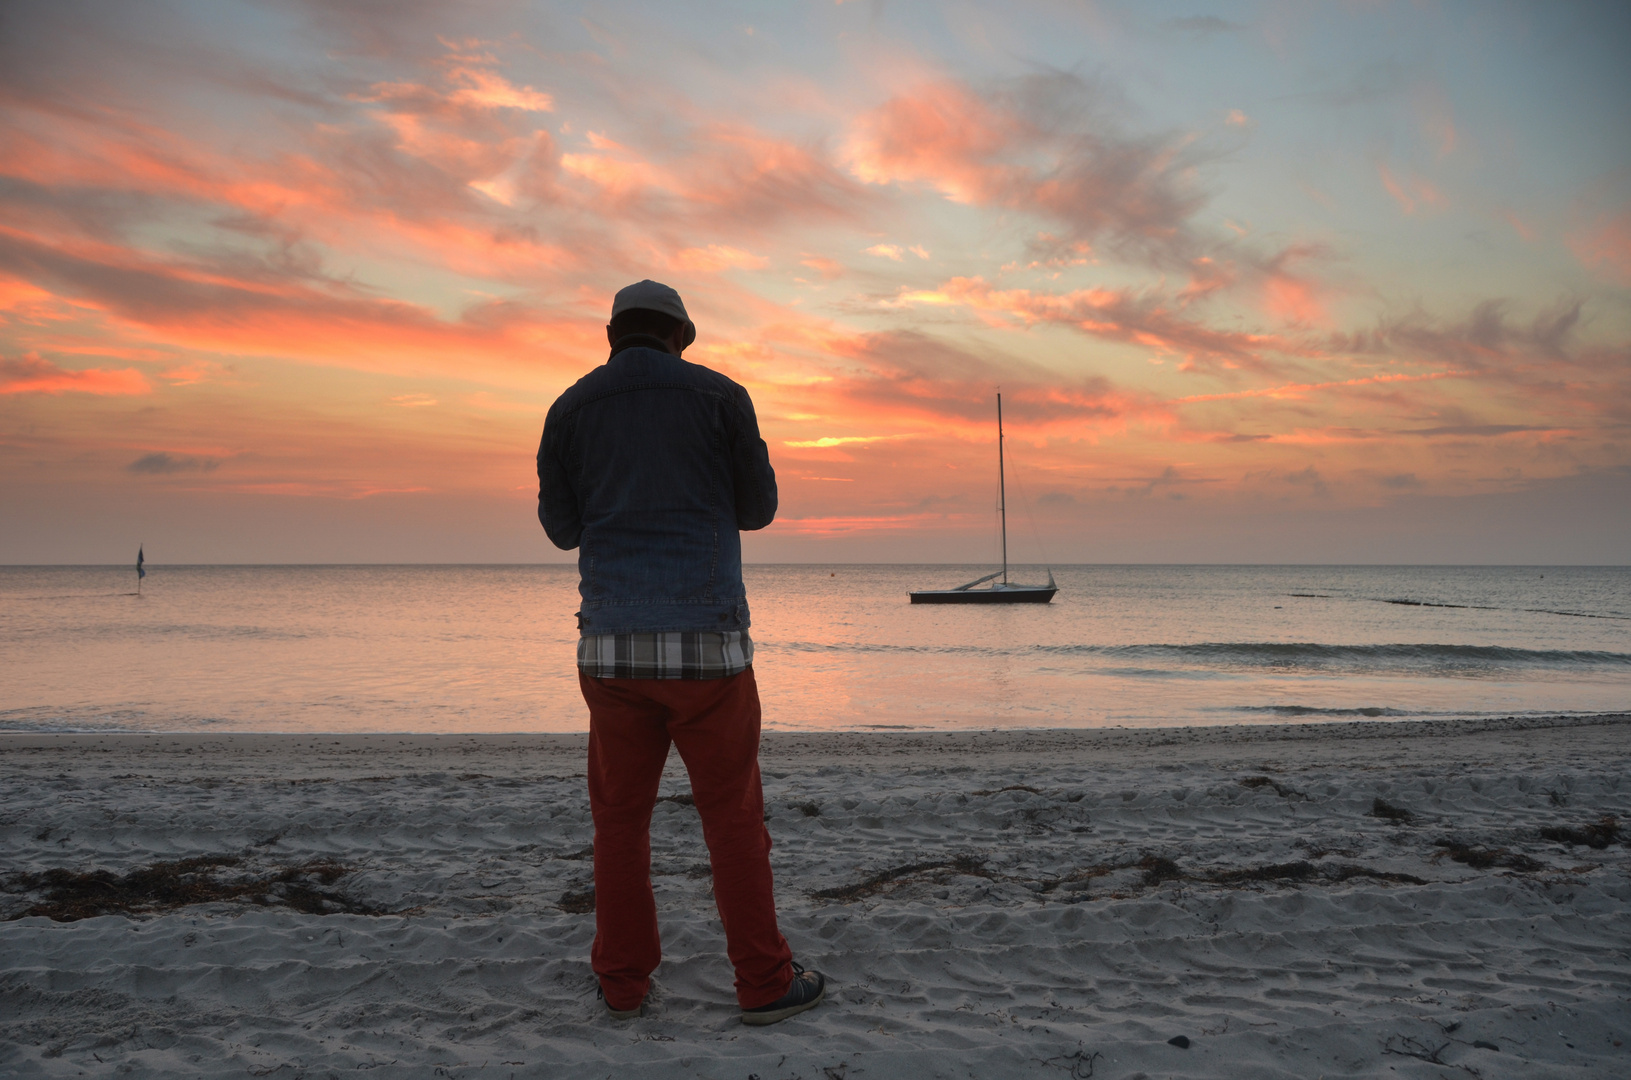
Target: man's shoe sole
(627, 1014)
(759, 1019)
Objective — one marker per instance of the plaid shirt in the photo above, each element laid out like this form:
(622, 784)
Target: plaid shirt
(692, 654)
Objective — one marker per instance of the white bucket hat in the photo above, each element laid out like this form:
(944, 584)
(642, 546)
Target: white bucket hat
(655, 296)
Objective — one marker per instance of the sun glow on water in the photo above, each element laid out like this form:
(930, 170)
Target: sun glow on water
(490, 649)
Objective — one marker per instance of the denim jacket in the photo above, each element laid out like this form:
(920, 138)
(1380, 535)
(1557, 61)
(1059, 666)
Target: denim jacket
(648, 466)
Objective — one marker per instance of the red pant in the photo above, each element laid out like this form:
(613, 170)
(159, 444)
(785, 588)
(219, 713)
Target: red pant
(715, 725)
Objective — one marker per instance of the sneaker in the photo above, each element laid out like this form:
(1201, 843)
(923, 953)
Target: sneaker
(620, 1014)
(808, 988)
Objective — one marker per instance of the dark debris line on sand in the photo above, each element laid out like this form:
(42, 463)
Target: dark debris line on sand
(1279, 789)
(578, 902)
(1388, 812)
(960, 864)
(1599, 834)
(71, 895)
(1480, 857)
(1157, 869)
(1306, 871)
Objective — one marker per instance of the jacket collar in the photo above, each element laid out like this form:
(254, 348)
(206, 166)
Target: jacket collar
(639, 341)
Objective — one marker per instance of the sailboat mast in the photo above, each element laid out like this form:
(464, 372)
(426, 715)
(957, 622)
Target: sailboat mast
(1002, 492)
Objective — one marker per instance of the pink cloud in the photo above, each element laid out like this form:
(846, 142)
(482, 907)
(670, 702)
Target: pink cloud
(1291, 297)
(251, 309)
(1294, 300)
(1437, 119)
(16, 293)
(1042, 146)
(907, 380)
(32, 375)
(717, 257)
(1605, 246)
(1524, 229)
(1116, 315)
(944, 136)
(827, 268)
(1207, 276)
(1410, 192)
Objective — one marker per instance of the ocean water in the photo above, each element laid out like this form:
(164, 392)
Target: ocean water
(490, 648)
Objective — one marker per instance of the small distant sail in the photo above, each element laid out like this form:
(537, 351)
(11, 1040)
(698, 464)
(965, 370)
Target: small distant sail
(140, 573)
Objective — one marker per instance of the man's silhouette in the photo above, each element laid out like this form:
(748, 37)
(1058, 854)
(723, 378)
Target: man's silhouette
(649, 466)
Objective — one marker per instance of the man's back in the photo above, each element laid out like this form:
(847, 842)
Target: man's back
(650, 465)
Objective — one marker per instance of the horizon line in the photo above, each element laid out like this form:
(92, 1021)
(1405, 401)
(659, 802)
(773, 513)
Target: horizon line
(148, 564)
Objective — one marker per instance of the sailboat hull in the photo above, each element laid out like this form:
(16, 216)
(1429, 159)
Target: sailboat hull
(1012, 594)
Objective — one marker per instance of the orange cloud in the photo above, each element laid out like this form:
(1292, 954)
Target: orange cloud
(845, 525)
(1113, 314)
(488, 89)
(463, 118)
(342, 190)
(202, 306)
(1301, 390)
(32, 375)
(843, 440)
(17, 293)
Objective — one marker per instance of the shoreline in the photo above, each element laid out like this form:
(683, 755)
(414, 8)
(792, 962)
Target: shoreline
(848, 743)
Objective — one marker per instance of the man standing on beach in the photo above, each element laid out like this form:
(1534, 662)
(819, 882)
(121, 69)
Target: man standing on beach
(649, 466)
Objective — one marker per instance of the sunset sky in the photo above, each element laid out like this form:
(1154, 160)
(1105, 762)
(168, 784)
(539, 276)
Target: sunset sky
(1258, 282)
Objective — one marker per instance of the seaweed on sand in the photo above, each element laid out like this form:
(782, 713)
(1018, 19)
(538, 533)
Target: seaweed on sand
(1279, 789)
(1157, 870)
(1305, 871)
(578, 903)
(960, 864)
(1598, 834)
(1388, 812)
(71, 895)
(1483, 858)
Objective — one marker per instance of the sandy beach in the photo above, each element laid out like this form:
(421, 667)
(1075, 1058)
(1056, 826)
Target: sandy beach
(1338, 900)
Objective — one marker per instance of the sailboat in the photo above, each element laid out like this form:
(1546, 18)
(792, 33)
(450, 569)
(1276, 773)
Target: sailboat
(998, 592)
